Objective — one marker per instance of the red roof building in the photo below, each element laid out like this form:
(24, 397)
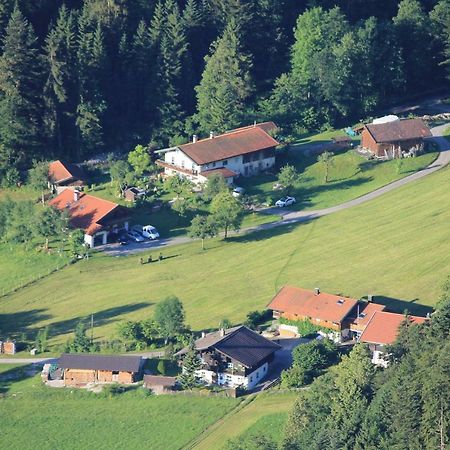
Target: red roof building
(97, 217)
(244, 151)
(63, 175)
(384, 326)
(322, 309)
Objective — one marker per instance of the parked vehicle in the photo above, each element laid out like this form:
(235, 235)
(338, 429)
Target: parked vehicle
(123, 239)
(285, 201)
(238, 191)
(135, 236)
(150, 232)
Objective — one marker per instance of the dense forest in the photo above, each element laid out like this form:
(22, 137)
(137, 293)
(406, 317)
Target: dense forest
(82, 77)
(406, 406)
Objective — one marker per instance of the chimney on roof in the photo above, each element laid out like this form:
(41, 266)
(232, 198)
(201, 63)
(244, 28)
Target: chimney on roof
(370, 298)
(76, 195)
(254, 123)
(211, 134)
(194, 138)
(222, 332)
(203, 334)
(317, 291)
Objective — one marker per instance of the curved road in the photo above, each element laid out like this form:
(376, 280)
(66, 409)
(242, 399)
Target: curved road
(302, 216)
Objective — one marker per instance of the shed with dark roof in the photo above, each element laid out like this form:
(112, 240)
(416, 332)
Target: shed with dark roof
(80, 369)
(392, 139)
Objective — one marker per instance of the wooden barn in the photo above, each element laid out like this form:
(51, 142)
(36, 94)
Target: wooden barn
(81, 369)
(395, 139)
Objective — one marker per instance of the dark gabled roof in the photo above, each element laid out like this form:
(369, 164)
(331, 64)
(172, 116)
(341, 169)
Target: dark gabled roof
(239, 343)
(246, 346)
(227, 145)
(100, 362)
(399, 130)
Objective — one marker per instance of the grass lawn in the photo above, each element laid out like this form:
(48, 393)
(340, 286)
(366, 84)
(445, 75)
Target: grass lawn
(34, 416)
(167, 221)
(19, 266)
(350, 176)
(266, 414)
(396, 248)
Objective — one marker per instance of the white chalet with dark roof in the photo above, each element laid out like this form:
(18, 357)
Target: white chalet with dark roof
(236, 357)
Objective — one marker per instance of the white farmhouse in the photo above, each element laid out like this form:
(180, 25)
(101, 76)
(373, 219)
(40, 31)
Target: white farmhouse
(245, 151)
(235, 357)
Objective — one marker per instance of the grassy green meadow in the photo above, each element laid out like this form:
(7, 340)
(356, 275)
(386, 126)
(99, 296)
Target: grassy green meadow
(396, 247)
(350, 176)
(265, 415)
(34, 416)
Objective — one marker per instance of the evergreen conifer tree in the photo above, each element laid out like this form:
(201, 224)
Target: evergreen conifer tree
(21, 87)
(61, 89)
(191, 364)
(225, 84)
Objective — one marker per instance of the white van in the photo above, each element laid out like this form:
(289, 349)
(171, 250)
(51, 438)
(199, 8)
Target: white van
(150, 232)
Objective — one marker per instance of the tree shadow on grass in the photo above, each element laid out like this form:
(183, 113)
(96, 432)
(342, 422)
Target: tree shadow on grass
(11, 376)
(400, 306)
(268, 231)
(305, 197)
(101, 318)
(13, 324)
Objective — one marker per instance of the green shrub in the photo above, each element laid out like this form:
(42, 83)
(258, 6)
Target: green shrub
(161, 367)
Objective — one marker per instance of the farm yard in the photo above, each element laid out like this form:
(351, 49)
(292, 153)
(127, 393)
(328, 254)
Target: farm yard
(364, 250)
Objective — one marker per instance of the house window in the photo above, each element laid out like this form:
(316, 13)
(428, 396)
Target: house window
(173, 159)
(115, 372)
(193, 166)
(214, 164)
(225, 162)
(182, 163)
(251, 379)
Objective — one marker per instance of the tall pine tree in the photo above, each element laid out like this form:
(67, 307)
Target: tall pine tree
(226, 84)
(21, 86)
(61, 89)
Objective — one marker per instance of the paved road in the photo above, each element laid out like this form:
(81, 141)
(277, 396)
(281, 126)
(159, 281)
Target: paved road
(27, 360)
(293, 217)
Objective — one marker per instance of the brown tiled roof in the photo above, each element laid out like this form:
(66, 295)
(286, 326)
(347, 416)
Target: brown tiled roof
(154, 380)
(400, 130)
(226, 173)
(366, 311)
(239, 343)
(383, 327)
(234, 143)
(87, 212)
(306, 303)
(59, 171)
(100, 362)
(268, 127)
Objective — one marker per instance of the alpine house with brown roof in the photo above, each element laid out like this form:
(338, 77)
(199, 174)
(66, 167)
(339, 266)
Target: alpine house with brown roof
(382, 330)
(245, 151)
(233, 357)
(95, 216)
(321, 309)
(396, 138)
